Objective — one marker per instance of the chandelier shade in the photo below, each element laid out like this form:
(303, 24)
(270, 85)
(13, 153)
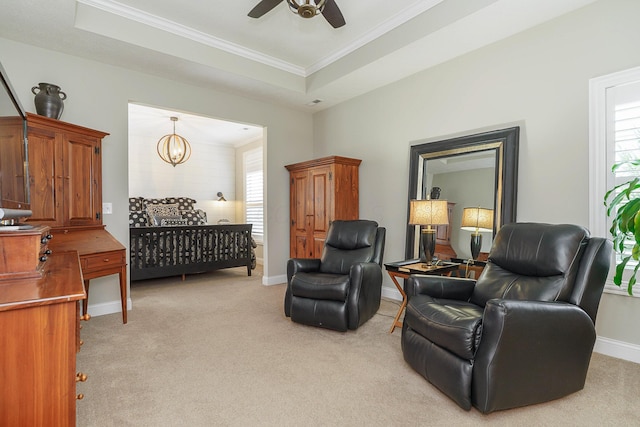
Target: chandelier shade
(173, 148)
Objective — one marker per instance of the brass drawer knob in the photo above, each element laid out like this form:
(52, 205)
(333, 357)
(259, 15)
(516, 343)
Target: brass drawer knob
(80, 396)
(81, 377)
(85, 316)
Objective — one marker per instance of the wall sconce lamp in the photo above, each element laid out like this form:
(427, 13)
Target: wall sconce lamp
(221, 197)
(428, 212)
(477, 220)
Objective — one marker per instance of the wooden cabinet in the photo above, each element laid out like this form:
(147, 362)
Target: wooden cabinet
(65, 173)
(65, 181)
(444, 250)
(39, 339)
(321, 190)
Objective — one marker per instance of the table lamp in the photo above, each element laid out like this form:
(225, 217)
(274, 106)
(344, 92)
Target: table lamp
(477, 220)
(428, 212)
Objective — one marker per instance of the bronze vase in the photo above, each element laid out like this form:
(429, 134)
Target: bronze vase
(48, 100)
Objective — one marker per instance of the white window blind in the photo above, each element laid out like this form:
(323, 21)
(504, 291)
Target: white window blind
(253, 190)
(614, 138)
(626, 145)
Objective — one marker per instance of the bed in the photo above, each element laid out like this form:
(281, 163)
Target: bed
(168, 237)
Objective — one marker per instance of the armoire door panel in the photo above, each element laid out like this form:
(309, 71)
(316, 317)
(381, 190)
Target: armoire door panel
(79, 181)
(300, 247)
(321, 199)
(318, 245)
(299, 201)
(45, 178)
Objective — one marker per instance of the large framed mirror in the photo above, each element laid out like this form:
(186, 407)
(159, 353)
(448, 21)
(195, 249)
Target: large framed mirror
(479, 170)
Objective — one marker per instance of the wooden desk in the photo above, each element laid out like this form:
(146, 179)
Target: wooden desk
(100, 255)
(39, 332)
(404, 269)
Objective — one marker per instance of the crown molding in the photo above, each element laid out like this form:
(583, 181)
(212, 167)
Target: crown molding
(388, 25)
(172, 27)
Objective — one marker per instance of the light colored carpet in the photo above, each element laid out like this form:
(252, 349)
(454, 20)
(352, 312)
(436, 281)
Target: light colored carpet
(217, 350)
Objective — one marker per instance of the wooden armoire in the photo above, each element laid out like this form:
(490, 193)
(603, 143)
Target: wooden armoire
(321, 190)
(65, 170)
(65, 184)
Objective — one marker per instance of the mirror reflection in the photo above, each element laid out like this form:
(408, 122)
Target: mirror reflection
(477, 176)
(464, 181)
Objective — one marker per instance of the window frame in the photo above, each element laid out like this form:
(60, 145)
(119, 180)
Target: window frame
(600, 150)
(258, 237)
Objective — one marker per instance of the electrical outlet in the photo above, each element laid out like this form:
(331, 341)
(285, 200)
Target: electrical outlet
(107, 208)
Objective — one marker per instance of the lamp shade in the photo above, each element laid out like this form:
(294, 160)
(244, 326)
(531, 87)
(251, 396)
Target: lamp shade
(428, 212)
(477, 219)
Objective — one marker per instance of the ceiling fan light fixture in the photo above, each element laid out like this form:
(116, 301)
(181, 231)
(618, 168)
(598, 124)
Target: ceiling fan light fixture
(306, 8)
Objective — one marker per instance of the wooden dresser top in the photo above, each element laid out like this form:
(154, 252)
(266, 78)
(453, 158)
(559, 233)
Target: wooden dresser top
(61, 281)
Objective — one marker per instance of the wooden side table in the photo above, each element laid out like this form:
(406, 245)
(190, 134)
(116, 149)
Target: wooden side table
(469, 266)
(404, 269)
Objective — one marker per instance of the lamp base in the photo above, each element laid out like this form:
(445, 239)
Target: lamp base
(428, 240)
(476, 245)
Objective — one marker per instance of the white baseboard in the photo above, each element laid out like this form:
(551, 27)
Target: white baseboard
(618, 349)
(274, 280)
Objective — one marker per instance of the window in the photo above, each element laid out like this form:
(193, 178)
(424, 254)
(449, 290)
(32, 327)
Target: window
(253, 187)
(614, 136)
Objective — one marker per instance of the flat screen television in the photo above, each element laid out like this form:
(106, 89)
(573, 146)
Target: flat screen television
(14, 188)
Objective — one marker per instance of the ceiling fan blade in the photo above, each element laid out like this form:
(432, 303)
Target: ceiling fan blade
(332, 14)
(263, 7)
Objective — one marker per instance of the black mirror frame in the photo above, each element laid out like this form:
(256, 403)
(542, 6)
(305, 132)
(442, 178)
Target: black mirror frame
(504, 141)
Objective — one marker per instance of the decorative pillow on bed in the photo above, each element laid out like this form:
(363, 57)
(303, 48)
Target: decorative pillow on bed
(138, 219)
(184, 203)
(171, 222)
(163, 210)
(194, 217)
(152, 202)
(136, 204)
(156, 220)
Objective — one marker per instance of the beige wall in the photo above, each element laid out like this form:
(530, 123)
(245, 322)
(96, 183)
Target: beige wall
(98, 95)
(537, 79)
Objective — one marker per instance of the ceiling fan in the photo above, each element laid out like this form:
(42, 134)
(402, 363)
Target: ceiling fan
(305, 8)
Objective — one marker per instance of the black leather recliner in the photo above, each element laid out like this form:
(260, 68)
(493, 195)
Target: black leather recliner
(341, 290)
(523, 333)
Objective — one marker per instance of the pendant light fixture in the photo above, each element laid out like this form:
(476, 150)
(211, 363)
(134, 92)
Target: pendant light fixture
(173, 148)
(306, 8)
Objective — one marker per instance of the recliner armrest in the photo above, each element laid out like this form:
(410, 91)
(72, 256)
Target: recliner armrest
(526, 348)
(298, 265)
(439, 287)
(364, 293)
